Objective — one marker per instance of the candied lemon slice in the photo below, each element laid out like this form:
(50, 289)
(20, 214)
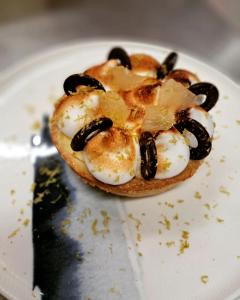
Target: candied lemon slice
(113, 106)
(158, 118)
(172, 97)
(175, 96)
(123, 79)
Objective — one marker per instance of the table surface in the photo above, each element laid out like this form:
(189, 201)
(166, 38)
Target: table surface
(195, 27)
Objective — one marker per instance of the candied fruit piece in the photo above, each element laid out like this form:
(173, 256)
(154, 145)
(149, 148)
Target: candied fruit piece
(113, 106)
(171, 98)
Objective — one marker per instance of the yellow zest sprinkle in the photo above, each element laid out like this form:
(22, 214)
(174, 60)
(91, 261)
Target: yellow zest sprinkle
(48, 172)
(39, 198)
(137, 221)
(33, 185)
(84, 214)
(166, 223)
(21, 211)
(219, 220)
(184, 244)
(51, 174)
(223, 190)
(169, 204)
(238, 122)
(204, 279)
(14, 233)
(105, 223)
(94, 227)
(176, 217)
(173, 140)
(140, 254)
(170, 244)
(159, 231)
(106, 218)
(36, 125)
(165, 165)
(70, 209)
(139, 237)
(222, 159)
(185, 234)
(138, 224)
(197, 195)
(180, 201)
(238, 256)
(12, 192)
(207, 206)
(26, 222)
(116, 180)
(206, 216)
(65, 224)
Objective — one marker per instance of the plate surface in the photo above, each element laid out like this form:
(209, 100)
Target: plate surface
(141, 255)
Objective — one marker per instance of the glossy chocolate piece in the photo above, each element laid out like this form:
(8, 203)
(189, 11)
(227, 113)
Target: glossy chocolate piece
(204, 141)
(167, 65)
(86, 133)
(148, 153)
(121, 54)
(208, 89)
(75, 80)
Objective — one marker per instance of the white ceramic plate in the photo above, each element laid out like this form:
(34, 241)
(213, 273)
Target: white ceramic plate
(207, 206)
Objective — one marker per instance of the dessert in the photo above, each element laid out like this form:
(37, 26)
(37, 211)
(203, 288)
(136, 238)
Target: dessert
(133, 126)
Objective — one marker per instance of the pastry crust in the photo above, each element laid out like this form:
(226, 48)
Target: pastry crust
(137, 187)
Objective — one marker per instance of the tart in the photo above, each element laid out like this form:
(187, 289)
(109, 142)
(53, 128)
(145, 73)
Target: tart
(133, 126)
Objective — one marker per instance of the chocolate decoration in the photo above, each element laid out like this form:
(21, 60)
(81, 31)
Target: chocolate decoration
(148, 155)
(86, 133)
(167, 65)
(121, 54)
(73, 81)
(208, 89)
(202, 136)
